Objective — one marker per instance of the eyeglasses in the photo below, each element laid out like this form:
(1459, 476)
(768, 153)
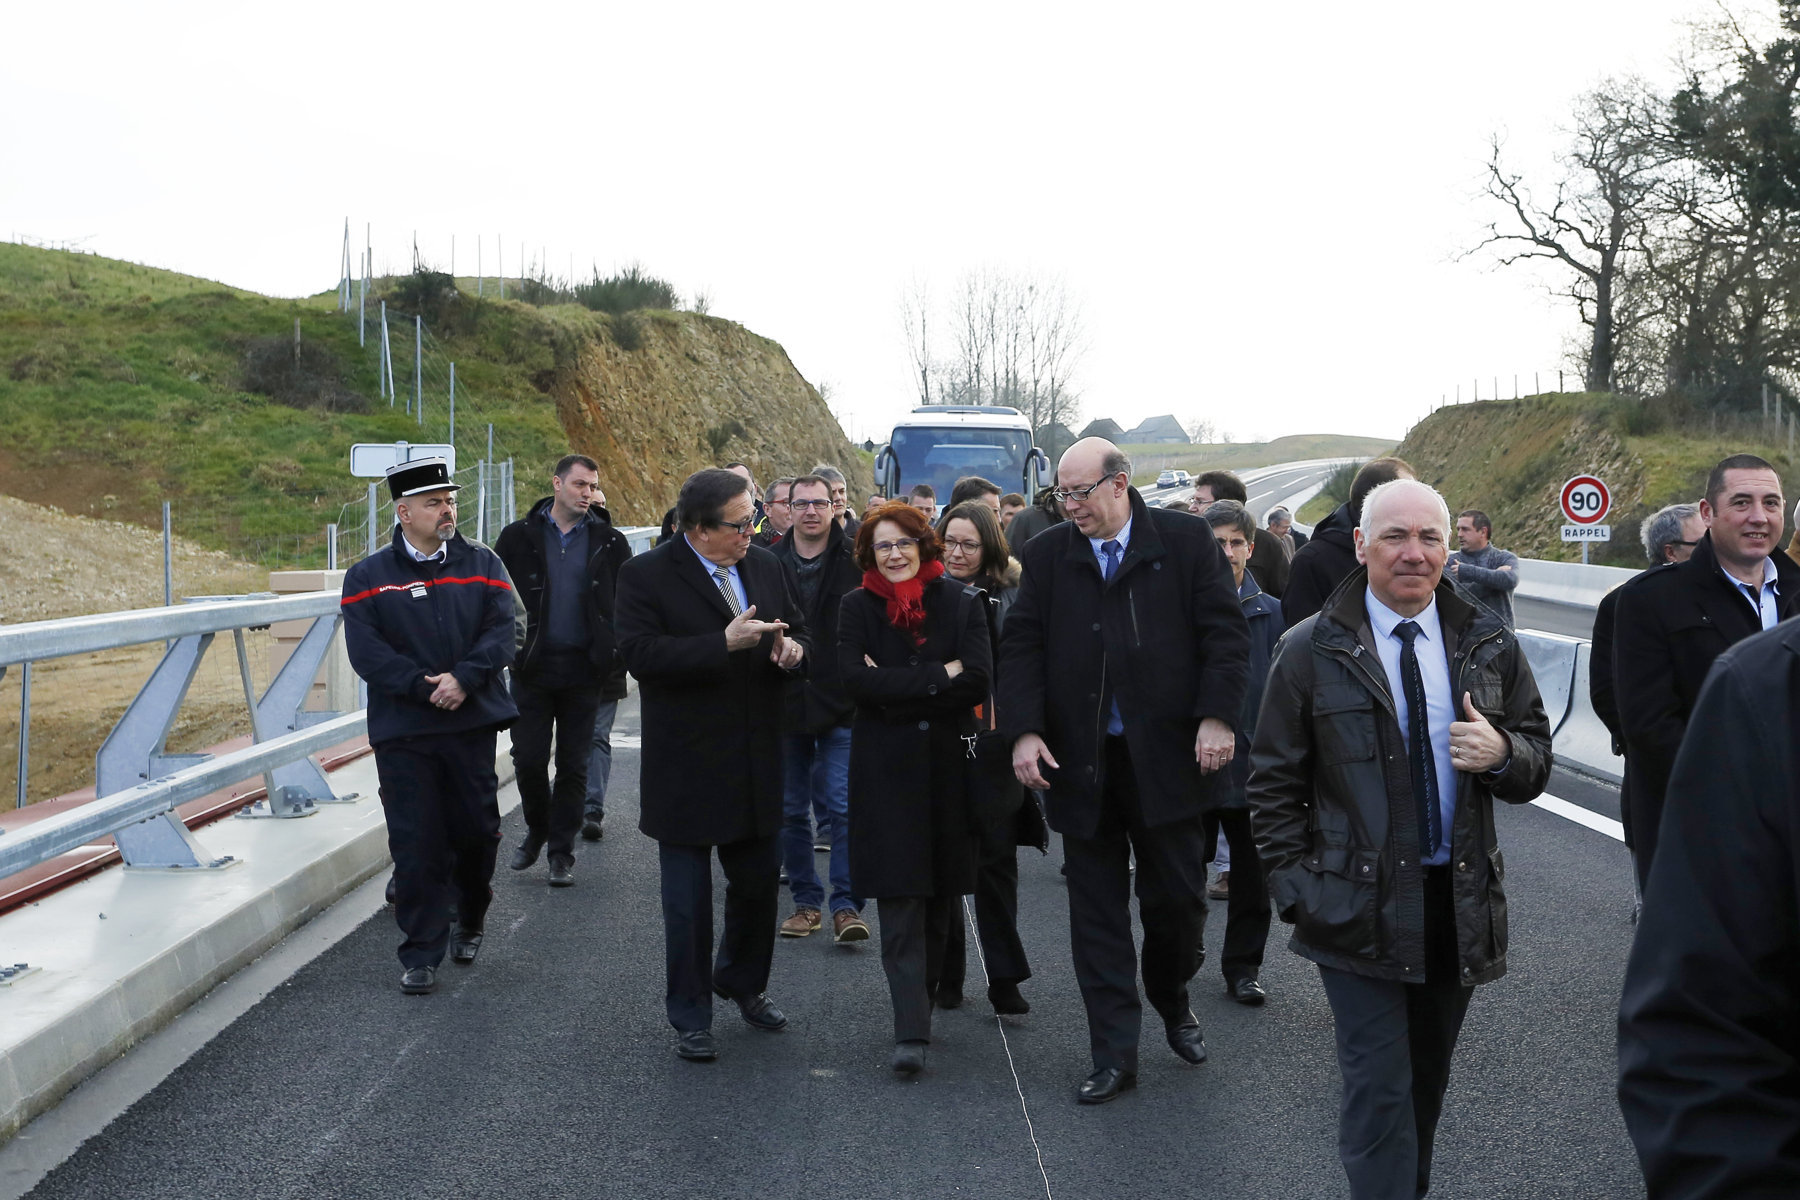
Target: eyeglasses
(953, 546)
(1679, 542)
(742, 528)
(803, 505)
(773, 503)
(1064, 495)
(904, 545)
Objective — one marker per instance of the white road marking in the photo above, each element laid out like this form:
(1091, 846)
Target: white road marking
(1581, 816)
(974, 939)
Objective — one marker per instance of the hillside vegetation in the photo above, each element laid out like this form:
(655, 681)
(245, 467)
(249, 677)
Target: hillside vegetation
(1510, 458)
(123, 386)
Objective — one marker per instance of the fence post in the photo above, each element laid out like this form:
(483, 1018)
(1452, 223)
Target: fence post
(500, 264)
(387, 359)
(374, 511)
(168, 557)
(506, 501)
(1559, 380)
(1765, 400)
(478, 274)
(481, 501)
(24, 731)
(452, 438)
(419, 366)
(331, 546)
(362, 305)
(490, 453)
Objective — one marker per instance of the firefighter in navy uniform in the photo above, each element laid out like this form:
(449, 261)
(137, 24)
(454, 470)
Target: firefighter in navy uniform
(430, 624)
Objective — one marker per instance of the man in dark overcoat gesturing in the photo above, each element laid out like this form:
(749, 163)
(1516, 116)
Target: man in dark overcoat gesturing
(1123, 668)
(706, 623)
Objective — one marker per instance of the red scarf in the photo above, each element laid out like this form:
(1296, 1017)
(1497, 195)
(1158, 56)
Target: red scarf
(906, 599)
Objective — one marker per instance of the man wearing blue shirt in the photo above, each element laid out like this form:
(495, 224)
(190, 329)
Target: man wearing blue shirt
(1392, 721)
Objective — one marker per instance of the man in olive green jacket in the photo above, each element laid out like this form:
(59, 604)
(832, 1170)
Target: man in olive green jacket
(1392, 720)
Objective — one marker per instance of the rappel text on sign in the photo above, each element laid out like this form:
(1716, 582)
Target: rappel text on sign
(1587, 533)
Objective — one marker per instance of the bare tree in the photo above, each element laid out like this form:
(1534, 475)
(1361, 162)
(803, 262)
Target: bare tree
(1596, 219)
(1202, 431)
(915, 318)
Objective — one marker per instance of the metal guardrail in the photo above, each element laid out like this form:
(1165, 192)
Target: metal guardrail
(149, 802)
(641, 537)
(137, 782)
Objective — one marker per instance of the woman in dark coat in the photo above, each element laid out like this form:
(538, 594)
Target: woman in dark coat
(915, 657)
(976, 554)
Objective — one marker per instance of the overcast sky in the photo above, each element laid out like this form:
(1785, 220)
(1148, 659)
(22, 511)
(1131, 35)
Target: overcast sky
(1259, 206)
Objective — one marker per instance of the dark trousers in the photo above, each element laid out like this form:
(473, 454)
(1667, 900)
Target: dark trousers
(559, 694)
(1394, 1042)
(996, 912)
(913, 930)
(741, 966)
(444, 833)
(1171, 884)
(1247, 911)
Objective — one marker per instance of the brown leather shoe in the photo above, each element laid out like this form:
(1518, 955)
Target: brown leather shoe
(803, 922)
(1220, 888)
(847, 926)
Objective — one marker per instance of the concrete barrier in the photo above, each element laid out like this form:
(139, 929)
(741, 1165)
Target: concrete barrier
(1568, 583)
(1583, 740)
(1552, 658)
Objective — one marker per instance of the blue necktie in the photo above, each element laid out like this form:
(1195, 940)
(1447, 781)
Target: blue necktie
(1424, 769)
(1109, 564)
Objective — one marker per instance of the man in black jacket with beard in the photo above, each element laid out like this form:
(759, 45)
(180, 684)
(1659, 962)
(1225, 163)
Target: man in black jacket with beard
(1672, 622)
(1329, 556)
(430, 624)
(564, 559)
(1136, 608)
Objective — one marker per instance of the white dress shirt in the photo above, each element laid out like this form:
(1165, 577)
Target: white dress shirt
(1440, 705)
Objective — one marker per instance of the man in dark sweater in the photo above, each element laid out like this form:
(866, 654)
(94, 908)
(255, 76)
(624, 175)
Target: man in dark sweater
(430, 624)
(564, 558)
(1486, 573)
(816, 738)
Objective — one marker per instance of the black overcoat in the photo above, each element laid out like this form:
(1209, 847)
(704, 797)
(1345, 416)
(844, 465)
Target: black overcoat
(711, 770)
(1318, 567)
(1709, 1051)
(1166, 633)
(911, 827)
(1671, 623)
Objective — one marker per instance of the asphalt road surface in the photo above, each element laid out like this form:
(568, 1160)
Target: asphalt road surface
(546, 1069)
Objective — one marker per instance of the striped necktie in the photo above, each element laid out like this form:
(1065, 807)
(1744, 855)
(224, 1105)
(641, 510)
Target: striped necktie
(724, 577)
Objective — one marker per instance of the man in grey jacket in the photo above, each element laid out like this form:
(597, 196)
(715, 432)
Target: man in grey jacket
(1485, 573)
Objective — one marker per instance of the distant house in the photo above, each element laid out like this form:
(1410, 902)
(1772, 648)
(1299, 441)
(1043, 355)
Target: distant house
(1104, 427)
(1163, 430)
(1054, 438)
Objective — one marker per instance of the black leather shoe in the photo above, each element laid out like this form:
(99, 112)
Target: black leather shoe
(591, 830)
(696, 1045)
(527, 853)
(465, 944)
(1186, 1042)
(909, 1059)
(949, 995)
(393, 888)
(1108, 1083)
(1007, 1001)
(1247, 991)
(562, 872)
(758, 1010)
(417, 981)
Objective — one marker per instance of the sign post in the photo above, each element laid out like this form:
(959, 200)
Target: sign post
(1585, 503)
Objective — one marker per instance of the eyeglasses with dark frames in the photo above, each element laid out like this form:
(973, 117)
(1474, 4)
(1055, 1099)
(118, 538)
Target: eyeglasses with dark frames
(804, 505)
(742, 528)
(1064, 495)
(904, 545)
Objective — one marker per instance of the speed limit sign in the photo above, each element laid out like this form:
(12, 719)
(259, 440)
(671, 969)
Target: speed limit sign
(1585, 500)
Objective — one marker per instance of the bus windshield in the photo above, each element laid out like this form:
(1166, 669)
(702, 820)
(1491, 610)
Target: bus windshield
(942, 456)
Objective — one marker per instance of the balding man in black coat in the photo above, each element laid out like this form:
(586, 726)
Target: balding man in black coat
(1124, 663)
(707, 624)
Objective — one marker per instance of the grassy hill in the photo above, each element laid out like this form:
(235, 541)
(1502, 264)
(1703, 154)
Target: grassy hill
(124, 386)
(1148, 461)
(1510, 458)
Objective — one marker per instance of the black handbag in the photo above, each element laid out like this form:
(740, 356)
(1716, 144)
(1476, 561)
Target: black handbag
(1000, 801)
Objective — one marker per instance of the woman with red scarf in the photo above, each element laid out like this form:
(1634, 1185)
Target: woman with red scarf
(916, 658)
